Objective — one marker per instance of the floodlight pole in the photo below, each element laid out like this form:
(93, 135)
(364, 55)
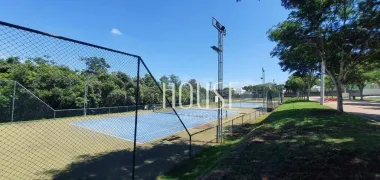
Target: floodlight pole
(221, 32)
(263, 78)
(209, 90)
(322, 89)
(220, 84)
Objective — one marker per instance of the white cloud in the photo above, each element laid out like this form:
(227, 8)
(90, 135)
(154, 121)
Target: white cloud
(116, 32)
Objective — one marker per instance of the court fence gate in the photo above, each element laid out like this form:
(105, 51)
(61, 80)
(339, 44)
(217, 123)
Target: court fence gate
(74, 110)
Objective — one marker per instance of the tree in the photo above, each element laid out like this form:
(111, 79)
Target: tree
(255, 89)
(374, 76)
(309, 78)
(164, 79)
(296, 84)
(96, 65)
(64, 88)
(359, 78)
(300, 58)
(329, 84)
(343, 33)
(175, 80)
(193, 83)
(226, 92)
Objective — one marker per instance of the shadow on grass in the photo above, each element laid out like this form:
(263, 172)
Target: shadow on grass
(375, 117)
(150, 163)
(308, 143)
(193, 168)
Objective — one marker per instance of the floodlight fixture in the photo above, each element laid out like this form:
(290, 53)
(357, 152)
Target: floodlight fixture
(216, 49)
(218, 26)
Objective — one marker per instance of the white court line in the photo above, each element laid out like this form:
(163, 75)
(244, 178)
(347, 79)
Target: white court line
(105, 133)
(171, 128)
(174, 132)
(137, 136)
(148, 133)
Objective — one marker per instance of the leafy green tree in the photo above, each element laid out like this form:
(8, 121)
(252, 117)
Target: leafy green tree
(175, 80)
(95, 65)
(359, 78)
(300, 59)
(374, 76)
(226, 92)
(309, 78)
(329, 84)
(343, 33)
(164, 79)
(64, 88)
(256, 89)
(296, 84)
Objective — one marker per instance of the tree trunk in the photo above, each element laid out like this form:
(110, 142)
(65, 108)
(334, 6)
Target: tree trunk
(338, 86)
(361, 94)
(339, 96)
(308, 92)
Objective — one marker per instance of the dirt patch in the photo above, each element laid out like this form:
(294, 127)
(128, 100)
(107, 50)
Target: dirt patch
(204, 126)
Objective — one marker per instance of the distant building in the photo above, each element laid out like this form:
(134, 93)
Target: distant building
(316, 88)
(239, 90)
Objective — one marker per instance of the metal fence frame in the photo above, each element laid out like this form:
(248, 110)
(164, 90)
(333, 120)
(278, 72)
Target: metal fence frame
(140, 64)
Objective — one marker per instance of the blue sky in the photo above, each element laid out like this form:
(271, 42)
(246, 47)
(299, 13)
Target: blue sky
(172, 36)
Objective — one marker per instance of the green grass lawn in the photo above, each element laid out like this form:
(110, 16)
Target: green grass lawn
(207, 159)
(300, 140)
(200, 164)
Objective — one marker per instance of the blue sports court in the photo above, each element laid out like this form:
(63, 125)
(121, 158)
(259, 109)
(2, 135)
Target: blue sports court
(246, 105)
(151, 126)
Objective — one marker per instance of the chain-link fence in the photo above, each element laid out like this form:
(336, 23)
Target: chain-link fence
(74, 110)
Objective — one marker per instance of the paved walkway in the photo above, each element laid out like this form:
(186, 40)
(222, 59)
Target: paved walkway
(361, 108)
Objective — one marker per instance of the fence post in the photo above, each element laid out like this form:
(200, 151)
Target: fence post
(137, 97)
(190, 148)
(242, 120)
(13, 101)
(54, 114)
(221, 127)
(217, 133)
(232, 127)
